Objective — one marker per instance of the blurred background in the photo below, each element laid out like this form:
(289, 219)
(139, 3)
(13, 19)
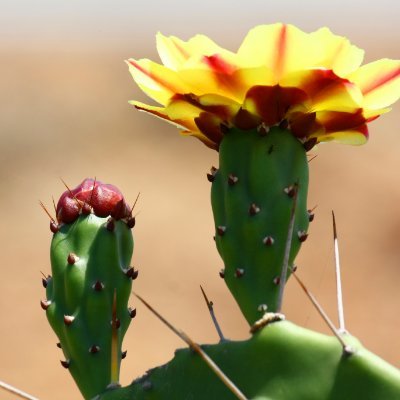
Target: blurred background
(64, 113)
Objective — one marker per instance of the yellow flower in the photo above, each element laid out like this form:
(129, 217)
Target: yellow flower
(313, 83)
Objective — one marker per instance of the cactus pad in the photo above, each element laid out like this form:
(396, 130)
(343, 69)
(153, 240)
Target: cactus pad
(260, 175)
(280, 362)
(88, 292)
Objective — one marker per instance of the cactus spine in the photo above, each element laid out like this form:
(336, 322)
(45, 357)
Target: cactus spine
(88, 292)
(252, 198)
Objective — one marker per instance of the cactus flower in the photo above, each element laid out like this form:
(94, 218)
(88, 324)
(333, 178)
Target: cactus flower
(311, 82)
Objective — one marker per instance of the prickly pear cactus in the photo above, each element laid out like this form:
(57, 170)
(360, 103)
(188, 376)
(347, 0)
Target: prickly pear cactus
(262, 108)
(88, 292)
(260, 176)
(282, 361)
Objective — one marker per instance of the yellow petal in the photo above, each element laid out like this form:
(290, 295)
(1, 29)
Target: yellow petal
(336, 53)
(249, 77)
(370, 114)
(285, 48)
(161, 113)
(176, 54)
(157, 81)
(314, 81)
(379, 82)
(352, 137)
(180, 109)
(190, 107)
(210, 100)
(345, 97)
(281, 48)
(204, 81)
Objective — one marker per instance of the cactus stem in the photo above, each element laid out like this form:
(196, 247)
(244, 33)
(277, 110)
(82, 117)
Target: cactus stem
(268, 240)
(72, 258)
(239, 272)
(18, 392)
(68, 319)
(221, 230)
(222, 273)
(339, 295)
(254, 209)
(98, 286)
(132, 312)
(232, 179)
(45, 304)
(123, 354)
(110, 224)
(195, 347)
(285, 265)
(65, 363)
(210, 306)
(347, 349)
(94, 349)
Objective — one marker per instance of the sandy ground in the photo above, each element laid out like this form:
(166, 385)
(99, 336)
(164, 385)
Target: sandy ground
(66, 115)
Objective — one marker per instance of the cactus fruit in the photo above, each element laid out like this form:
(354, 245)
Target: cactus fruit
(88, 292)
(260, 175)
(281, 361)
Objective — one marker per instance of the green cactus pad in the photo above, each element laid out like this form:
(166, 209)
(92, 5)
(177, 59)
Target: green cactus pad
(280, 362)
(252, 199)
(89, 261)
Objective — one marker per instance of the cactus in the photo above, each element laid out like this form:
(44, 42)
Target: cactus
(91, 281)
(260, 176)
(281, 361)
(262, 115)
